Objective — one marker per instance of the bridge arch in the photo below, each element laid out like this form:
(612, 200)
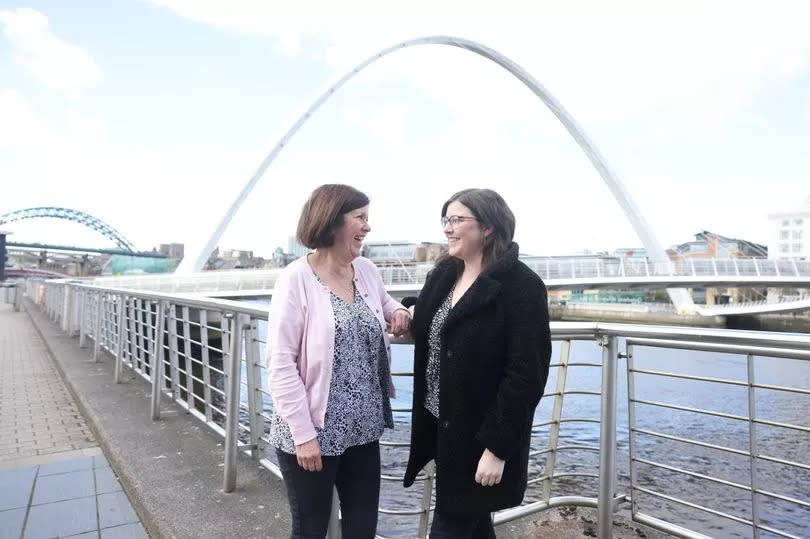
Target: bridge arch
(71, 215)
(680, 297)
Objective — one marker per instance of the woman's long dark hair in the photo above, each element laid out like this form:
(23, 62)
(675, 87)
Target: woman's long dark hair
(492, 212)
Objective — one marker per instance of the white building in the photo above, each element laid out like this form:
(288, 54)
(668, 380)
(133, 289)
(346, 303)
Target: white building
(389, 251)
(789, 234)
(294, 248)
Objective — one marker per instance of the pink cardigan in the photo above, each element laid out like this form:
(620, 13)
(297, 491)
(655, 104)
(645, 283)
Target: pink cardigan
(301, 341)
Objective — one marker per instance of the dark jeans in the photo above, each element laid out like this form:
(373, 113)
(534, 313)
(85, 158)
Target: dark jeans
(474, 527)
(355, 474)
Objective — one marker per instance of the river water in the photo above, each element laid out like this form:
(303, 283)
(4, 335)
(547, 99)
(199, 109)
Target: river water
(775, 442)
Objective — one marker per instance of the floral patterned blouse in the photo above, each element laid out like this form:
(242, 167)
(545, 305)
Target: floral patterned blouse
(358, 408)
(434, 351)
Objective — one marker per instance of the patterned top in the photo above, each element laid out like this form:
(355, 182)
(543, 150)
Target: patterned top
(434, 352)
(358, 408)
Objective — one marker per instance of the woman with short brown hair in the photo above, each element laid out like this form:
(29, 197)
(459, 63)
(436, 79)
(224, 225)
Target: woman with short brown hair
(329, 367)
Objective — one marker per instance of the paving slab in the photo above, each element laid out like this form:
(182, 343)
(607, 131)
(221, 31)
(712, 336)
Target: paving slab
(18, 484)
(50, 485)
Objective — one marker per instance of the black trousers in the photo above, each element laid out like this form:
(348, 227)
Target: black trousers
(356, 476)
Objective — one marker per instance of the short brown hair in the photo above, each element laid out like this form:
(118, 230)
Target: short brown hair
(322, 214)
(491, 211)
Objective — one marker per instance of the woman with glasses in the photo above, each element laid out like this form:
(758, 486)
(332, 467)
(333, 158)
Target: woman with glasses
(482, 347)
(329, 367)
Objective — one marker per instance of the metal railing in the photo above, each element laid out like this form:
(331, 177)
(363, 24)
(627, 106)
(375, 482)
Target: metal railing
(751, 419)
(549, 269)
(206, 356)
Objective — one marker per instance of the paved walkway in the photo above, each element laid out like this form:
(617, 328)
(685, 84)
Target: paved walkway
(37, 415)
(55, 480)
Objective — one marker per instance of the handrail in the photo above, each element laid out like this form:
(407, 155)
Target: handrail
(154, 332)
(586, 329)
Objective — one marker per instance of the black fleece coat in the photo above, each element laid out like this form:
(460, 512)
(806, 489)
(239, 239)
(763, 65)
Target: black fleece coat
(495, 352)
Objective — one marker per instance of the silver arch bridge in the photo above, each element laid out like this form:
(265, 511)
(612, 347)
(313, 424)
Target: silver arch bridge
(680, 297)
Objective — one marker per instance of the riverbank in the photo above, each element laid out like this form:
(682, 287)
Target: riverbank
(589, 313)
(791, 323)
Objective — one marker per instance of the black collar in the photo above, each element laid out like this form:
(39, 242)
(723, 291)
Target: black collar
(483, 291)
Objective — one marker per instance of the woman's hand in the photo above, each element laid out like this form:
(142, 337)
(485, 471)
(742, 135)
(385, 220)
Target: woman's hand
(490, 469)
(400, 322)
(309, 455)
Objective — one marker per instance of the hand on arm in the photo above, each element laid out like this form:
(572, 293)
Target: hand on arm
(400, 322)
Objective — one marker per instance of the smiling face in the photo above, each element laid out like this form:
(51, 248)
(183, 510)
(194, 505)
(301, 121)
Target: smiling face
(465, 239)
(349, 237)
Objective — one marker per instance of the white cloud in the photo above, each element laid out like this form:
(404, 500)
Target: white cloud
(55, 62)
(606, 62)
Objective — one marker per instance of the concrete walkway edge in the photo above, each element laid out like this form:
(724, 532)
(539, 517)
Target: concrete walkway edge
(172, 468)
(151, 525)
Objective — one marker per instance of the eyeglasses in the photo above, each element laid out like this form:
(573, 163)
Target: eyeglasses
(454, 220)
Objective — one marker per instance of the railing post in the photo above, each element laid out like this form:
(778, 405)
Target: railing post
(232, 386)
(427, 496)
(97, 330)
(174, 361)
(82, 315)
(206, 367)
(122, 334)
(75, 307)
(66, 308)
(556, 416)
(334, 531)
(156, 368)
(607, 439)
(18, 292)
(255, 397)
(752, 445)
(631, 427)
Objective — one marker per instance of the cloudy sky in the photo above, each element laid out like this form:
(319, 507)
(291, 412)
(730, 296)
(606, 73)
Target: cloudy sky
(152, 115)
